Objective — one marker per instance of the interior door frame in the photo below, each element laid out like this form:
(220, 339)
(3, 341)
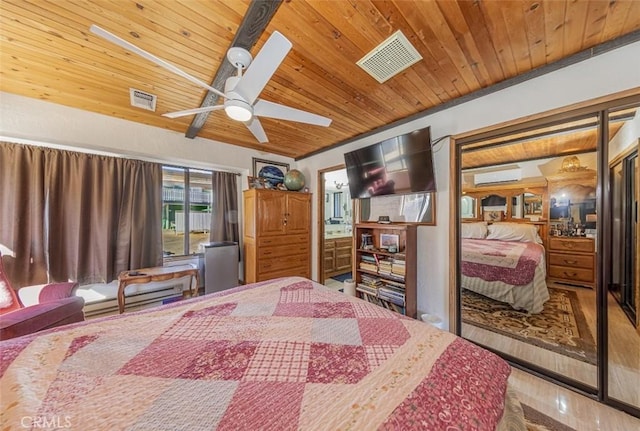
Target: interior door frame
(320, 218)
(600, 106)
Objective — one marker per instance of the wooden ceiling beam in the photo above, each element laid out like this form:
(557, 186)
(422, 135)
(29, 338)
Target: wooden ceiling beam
(253, 25)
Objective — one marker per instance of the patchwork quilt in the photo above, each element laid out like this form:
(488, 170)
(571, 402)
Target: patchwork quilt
(278, 355)
(507, 271)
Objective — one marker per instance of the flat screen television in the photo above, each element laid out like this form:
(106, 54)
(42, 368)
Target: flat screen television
(399, 165)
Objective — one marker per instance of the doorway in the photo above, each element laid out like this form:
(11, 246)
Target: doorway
(335, 227)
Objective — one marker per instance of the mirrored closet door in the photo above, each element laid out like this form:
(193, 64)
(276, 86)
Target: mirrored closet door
(528, 251)
(623, 288)
(537, 237)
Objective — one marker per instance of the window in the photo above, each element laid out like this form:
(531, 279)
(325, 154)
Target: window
(186, 217)
(337, 205)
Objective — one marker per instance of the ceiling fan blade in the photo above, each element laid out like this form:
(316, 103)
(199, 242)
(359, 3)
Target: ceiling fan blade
(255, 127)
(160, 62)
(262, 108)
(177, 114)
(263, 67)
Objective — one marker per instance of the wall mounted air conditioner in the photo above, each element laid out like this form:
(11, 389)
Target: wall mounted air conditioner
(514, 174)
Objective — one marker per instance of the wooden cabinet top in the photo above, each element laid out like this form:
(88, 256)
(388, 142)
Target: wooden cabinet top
(272, 191)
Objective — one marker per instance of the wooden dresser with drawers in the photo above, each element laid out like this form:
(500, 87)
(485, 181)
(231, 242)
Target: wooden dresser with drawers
(571, 260)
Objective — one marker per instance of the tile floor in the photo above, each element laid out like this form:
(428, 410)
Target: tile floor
(565, 406)
(568, 407)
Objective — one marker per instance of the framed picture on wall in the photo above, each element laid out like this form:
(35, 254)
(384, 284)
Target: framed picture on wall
(272, 172)
(493, 215)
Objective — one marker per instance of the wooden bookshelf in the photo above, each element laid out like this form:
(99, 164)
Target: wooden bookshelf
(386, 278)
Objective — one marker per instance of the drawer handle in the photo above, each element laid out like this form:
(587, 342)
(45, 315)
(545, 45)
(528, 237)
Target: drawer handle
(570, 262)
(568, 244)
(267, 252)
(573, 274)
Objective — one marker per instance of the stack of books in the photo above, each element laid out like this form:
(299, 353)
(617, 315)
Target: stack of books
(392, 284)
(371, 281)
(398, 266)
(391, 294)
(385, 266)
(369, 284)
(385, 293)
(368, 263)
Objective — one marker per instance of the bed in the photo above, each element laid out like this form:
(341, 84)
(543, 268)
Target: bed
(505, 262)
(282, 354)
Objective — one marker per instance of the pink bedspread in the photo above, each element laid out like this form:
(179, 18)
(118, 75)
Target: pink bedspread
(283, 354)
(507, 261)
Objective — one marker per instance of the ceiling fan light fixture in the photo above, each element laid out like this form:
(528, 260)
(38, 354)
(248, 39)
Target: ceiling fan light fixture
(238, 110)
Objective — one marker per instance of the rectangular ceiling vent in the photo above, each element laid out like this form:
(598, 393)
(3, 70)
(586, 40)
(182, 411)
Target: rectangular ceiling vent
(143, 100)
(504, 176)
(390, 57)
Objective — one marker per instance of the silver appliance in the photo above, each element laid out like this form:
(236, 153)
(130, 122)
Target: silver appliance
(220, 266)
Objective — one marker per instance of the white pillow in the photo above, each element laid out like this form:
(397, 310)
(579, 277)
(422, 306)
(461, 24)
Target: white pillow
(514, 232)
(474, 230)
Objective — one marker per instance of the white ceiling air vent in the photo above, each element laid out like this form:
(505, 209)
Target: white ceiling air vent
(390, 57)
(503, 176)
(143, 100)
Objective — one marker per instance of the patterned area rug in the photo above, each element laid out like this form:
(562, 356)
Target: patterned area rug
(537, 421)
(561, 327)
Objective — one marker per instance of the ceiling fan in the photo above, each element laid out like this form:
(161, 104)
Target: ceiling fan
(241, 92)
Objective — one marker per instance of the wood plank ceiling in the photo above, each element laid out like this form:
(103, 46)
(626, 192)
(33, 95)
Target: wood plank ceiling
(568, 138)
(47, 52)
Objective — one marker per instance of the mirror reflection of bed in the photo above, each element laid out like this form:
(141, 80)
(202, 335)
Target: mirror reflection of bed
(510, 297)
(528, 261)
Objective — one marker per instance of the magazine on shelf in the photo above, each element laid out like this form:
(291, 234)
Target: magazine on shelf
(367, 289)
(394, 284)
(391, 296)
(392, 292)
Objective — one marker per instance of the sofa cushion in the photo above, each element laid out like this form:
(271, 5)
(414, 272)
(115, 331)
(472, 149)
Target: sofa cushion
(41, 316)
(8, 298)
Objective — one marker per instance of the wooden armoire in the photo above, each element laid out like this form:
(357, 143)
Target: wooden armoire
(277, 234)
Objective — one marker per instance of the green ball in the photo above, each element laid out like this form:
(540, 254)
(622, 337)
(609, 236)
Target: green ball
(294, 180)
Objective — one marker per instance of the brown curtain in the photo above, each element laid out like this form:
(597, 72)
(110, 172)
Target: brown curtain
(100, 215)
(224, 217)
(22, 209)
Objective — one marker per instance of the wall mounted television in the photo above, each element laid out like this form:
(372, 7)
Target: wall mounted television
(399, 165)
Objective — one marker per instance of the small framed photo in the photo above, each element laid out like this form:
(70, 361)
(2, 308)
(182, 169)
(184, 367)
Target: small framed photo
(389, 241)
(493, 215)
(256, 183)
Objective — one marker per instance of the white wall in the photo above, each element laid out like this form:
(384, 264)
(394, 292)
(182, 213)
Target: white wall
(26, 120)
(608, 73)
(34, 120)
